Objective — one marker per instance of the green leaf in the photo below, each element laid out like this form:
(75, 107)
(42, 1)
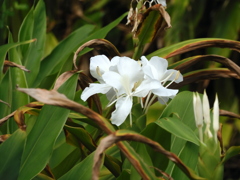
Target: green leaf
(6, 96)
(69, 161)
(232, 151)
(36, 50)
(52, 63)
(40, 140)
(178, 128)
(142, 151)
(11, 151)
(84, 137)
(82, 170)
(3, 51)
(155, 133)
(182, 106)
(125, 175)
(189, 158)
(42, 177)
(18, 99)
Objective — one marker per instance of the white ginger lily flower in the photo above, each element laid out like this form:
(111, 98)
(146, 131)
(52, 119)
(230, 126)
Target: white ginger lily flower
(156, 70)
(201, 111)
(198, 114)
(128, 82)
(216, 117)
(99, 65)
(206, 114)
(125, 77)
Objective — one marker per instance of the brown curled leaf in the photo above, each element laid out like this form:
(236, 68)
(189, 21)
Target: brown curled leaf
(12, 64)
(18, 114)
(5, 103)
(105, 46)
(219, 136)
(126, 135)
(137, 18)
(7, 117)
(221, 43)
(4, 137)
(55, 98)
(228, 114)
(186, 63)
(63, 78)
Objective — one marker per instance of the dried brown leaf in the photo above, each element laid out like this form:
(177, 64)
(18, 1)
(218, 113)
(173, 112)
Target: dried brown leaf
(63, 78)
(228, 114)
(7, 117)
(105, 46)
(129, 136)
(12, 64)
(4, 103)
(137, 17)
(234, 45)
(4, 137)
(220, 59)
(55, 98)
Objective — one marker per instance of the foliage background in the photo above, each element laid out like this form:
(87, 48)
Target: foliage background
(190, 19)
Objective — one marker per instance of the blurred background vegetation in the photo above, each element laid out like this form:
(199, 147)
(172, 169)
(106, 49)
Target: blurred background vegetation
(190, 19)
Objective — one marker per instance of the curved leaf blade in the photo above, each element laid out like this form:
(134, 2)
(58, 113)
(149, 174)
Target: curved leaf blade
(41, 139)
(11, 151)
(193, 44)
(177, 128)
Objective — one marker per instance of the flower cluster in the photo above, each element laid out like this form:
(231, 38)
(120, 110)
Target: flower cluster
(202, 114)
(123, 78)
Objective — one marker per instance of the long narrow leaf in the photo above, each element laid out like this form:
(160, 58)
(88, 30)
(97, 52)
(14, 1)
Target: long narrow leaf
(3, 51)
(193, 44)
(40, 140)
(11, 151)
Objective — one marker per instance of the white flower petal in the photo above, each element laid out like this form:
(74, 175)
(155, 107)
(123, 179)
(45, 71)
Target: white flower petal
(162, 2)
(206, 108)
(100, 62)
(198, 111)
(148, 70)
(123, 109)
(111, 94)
(164, 92)
(130, 68)
(216, 114)
(155, 68)
(159, 63)
(94, 89)
(173, 75)
(145, 87)
(115, 80)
